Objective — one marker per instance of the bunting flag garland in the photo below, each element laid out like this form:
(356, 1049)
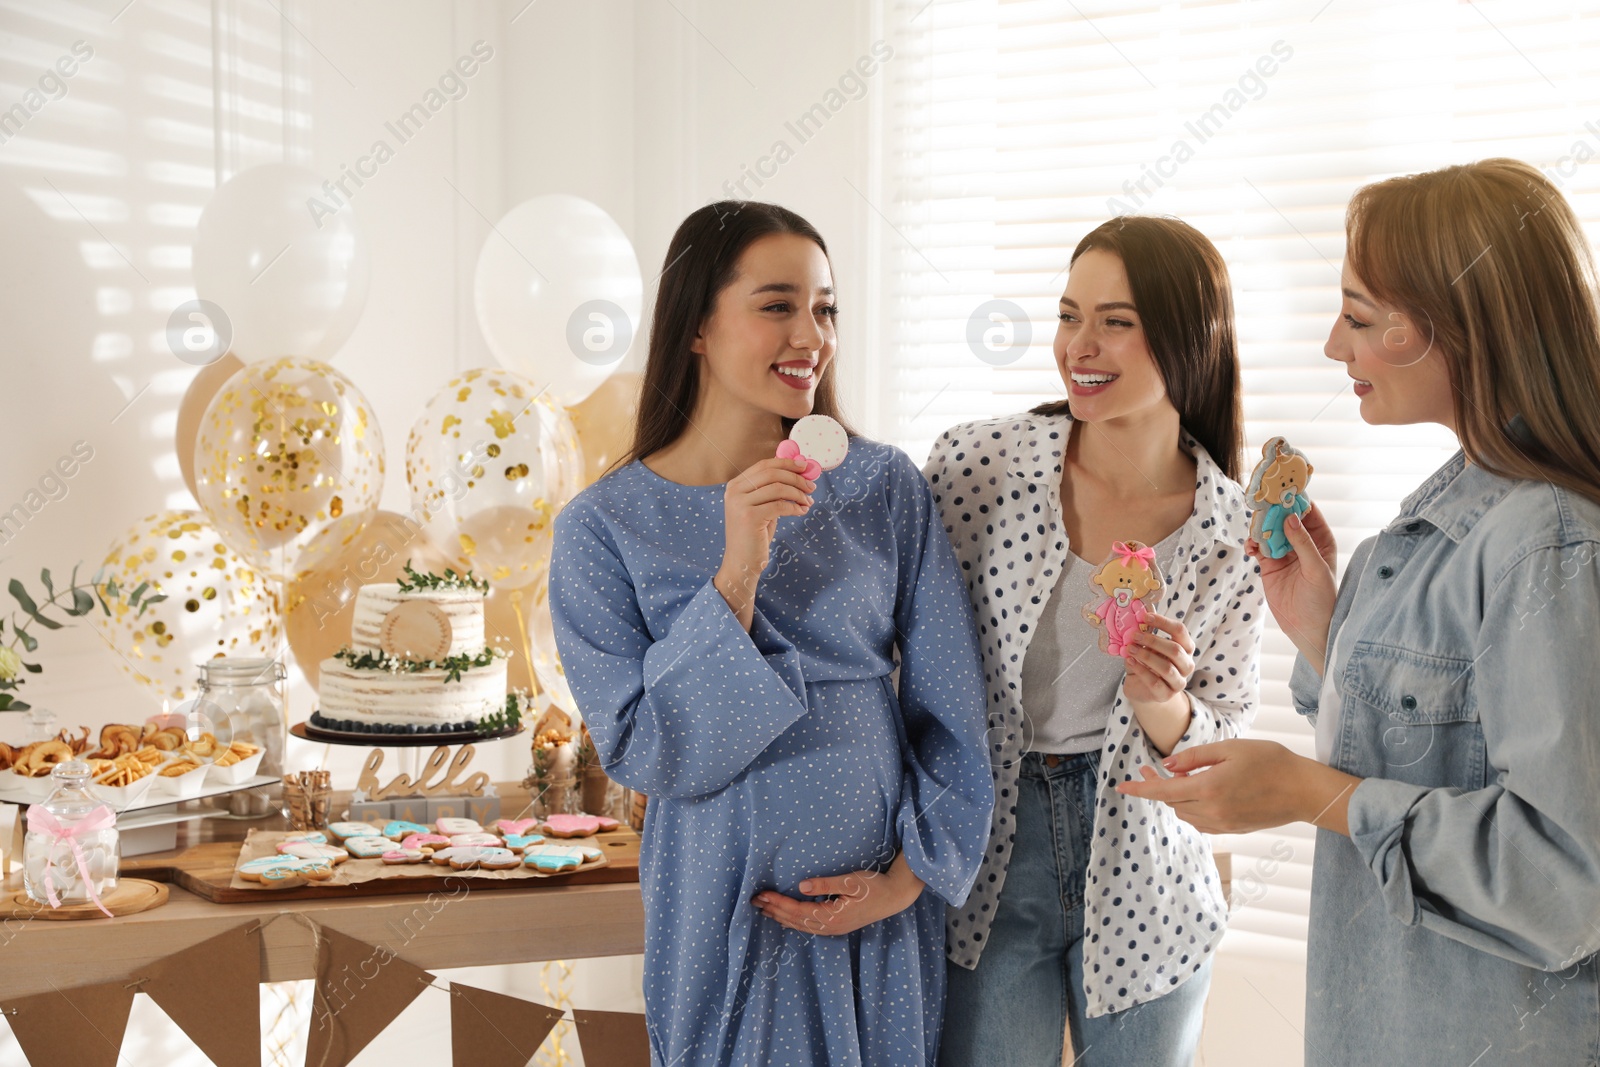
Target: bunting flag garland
(613, 1038)
(360, 988)
(212, 991)
(81, 1026)
(494, 1030)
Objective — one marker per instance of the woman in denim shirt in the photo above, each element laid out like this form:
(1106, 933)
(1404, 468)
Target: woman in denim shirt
(1455, 908)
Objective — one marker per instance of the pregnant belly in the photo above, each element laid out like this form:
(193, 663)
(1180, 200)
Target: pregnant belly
(823, 796)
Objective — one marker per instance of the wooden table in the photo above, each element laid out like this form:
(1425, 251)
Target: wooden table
(544, 921)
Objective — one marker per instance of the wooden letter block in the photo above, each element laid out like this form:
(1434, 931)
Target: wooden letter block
(483, 810)
(445, 808)
(373, 811)
(411, 809)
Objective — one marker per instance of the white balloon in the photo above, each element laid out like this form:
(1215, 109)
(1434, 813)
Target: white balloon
(285, 261)
(558, 294)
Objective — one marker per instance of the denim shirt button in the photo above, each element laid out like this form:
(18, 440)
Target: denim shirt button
(1386, 571)
(1409, 703)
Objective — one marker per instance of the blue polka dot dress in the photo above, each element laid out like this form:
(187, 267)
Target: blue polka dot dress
(788, 752)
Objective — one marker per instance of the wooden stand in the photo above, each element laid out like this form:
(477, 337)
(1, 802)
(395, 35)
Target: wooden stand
(131, 895)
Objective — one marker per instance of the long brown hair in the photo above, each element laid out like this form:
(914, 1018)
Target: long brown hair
(1180, 285)
(1491, 255)
(702, 260)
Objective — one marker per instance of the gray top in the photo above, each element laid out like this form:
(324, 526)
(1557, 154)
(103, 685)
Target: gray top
(1068, 683)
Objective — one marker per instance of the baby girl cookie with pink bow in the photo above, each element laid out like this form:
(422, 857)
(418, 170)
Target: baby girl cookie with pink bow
(1128, 588)
(311, 850)
(818, 440)
(515, 826)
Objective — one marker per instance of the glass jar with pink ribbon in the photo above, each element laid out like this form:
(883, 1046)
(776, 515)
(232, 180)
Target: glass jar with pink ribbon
(72, 851)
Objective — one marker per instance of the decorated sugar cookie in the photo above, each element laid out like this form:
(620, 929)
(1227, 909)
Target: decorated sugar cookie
(490, 859)
(366, 848)
(342, 830)
(450, 826)
(818, 440)
(521, 842)
(429, 841)
(468, 840)
(396, 856)
(310, 850)
(316, 837)
(1277, 490)
(576, 825)
(275, 870)
(399, 828)
(1130, 586)
(559, 857)
(515, 826)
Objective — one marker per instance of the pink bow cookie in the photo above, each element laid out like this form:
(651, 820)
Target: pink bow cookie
(787, 449)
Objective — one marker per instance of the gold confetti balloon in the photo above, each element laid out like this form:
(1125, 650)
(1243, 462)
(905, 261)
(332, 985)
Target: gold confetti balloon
(288, 464)
(489, 464)
(604, 421)
(216, 604)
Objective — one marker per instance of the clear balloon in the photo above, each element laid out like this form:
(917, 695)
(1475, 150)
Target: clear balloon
(202, 388)
(605, 421)
(558, 293)
(288, 464)
(489, 463)
(290, 277)
(322, 603)
(216, 604)
(518, 620)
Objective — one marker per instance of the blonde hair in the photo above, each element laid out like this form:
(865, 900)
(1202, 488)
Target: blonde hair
(1490, 257)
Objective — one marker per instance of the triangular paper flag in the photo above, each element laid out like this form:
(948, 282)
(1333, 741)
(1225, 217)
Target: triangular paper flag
(82, 1026)
(491, 1029)
(213, 992)
(360, 988)
(613, 1038)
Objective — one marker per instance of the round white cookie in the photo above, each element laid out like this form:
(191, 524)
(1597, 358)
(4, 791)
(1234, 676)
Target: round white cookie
(822, 439)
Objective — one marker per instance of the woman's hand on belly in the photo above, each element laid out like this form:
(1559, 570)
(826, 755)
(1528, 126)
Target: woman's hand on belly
(859, 900)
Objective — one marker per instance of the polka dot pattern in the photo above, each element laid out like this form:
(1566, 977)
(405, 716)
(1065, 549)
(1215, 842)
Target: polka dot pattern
(1154, 906)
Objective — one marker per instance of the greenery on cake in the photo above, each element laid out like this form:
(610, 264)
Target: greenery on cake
(419, 581)
(509, 719)
(453, 666)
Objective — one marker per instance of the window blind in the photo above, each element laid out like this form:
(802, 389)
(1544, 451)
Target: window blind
(1013, 127)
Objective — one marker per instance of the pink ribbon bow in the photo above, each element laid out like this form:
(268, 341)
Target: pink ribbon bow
(787, 449)
(1146, 555)
(100, 818)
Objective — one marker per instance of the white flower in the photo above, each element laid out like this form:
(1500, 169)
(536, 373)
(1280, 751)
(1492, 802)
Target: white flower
(10, 664)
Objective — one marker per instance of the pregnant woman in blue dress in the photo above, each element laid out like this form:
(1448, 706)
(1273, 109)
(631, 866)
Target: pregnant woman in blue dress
(731, 631)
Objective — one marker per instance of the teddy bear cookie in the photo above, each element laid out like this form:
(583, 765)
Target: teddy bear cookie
(367, 848)
(1277, 490)
(559, 857)
(818, 440)
(429, 841)
(1129, 585)
(276, 870)
(450, 826)
(311, 850)
(461, 857)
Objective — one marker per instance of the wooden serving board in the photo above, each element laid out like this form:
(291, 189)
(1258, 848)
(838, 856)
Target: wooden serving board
(131, 895)
(206, 870)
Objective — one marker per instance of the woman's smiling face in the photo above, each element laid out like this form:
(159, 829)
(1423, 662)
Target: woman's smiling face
(1400, 373)
(1100, 346)
(770, 335)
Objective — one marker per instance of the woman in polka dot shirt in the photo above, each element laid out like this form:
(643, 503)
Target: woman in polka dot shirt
(733, 632)
(1093, 908)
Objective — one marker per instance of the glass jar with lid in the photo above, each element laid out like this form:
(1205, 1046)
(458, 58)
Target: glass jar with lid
(72, 850)
(250, 692)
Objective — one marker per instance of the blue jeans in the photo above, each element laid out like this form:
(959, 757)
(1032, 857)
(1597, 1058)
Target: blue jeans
(1029, 981)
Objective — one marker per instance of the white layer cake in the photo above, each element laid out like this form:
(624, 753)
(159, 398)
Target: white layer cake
(378, 696)
(463, 607)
